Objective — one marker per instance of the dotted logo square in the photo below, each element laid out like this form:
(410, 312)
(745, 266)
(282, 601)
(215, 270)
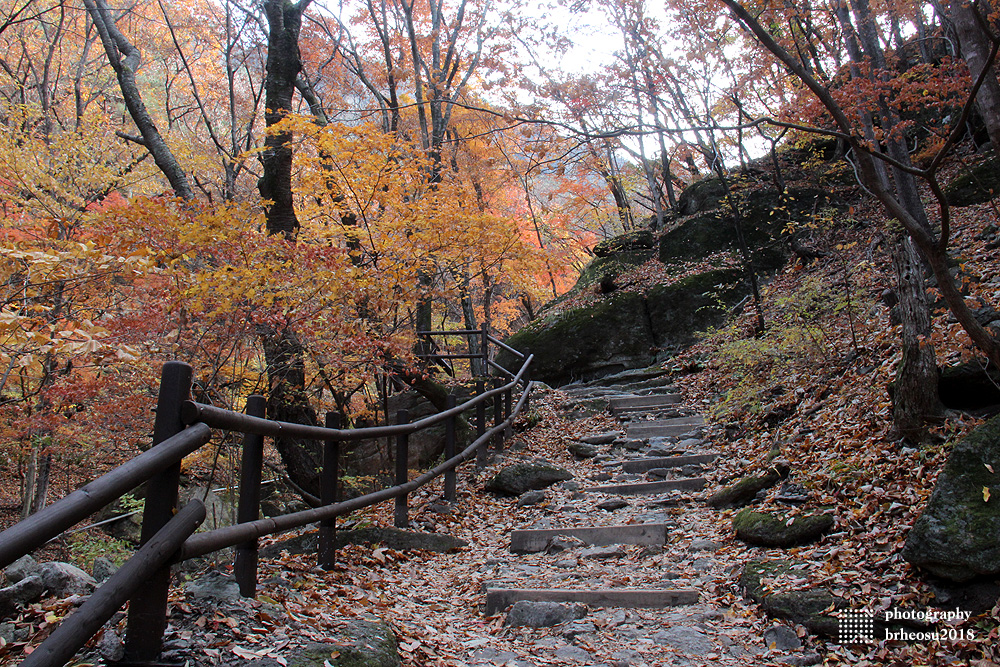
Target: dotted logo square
(856, 627)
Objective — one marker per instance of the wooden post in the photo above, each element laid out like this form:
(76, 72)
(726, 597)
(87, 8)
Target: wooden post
(481, 452)
(497, 418)
(509, 431)
(328, 495)
(74, 631)
(401, 517)
(449, 450)
(245, 567)
(485, 349)
(147, 615)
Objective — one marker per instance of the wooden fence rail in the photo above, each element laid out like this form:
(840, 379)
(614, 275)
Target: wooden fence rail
(181, 427)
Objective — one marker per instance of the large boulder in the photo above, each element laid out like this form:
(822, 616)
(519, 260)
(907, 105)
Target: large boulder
(626, 330)
(955, 537)
(701, 195)
(515, 479)
(809, 607)
(976, 185)
(969, 386)
(628, 242)
(764, 213)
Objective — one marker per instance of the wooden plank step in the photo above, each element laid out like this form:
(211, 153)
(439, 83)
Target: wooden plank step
(663, 427)
(645, 488)
(654, 400)
(535, 539)
(498, 599)
(645, 465)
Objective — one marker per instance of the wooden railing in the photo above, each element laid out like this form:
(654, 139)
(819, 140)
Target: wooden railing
(181, 427)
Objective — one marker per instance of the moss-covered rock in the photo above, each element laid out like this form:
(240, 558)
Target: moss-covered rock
(586, 342)
(678, 312)
(360, 644)
(515, 479)
(955, 537)
(808, 607)
(611, 266)
(765, 215)
(744, 491)
(627, 242)
(775, 530)
(701, 195)
(976, 185)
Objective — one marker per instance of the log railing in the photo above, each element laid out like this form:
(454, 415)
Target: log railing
(181, 427)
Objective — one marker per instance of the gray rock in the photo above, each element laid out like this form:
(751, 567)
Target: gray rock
(7, 632)
(23, 567)
(804, 660)
(611, 551)
(103, 568)
(567, 563)
(687, 639)
(515, 479)
(576, 628)
(574, 653)
(560, 543)
(26, 590)
(111, 647)
(362, 643)
(703, 545)
(601, 477)
(782, 638)
(63, 579)
(955, 535)
(605, 438)
(491, 656)
(582, 450)
(532, 497)
(612, 505)
(213, 586)
(690, 443)
(661, 450)
(572, 485)
(526, 613)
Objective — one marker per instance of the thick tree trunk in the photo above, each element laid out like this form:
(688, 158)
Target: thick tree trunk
(915, 400)
(284, 62)
(287, 401)
(975, 49)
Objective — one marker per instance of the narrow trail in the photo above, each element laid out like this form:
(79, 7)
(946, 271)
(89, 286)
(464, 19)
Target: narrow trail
(629, 537)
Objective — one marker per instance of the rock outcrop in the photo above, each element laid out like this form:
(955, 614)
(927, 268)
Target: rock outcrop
(955, 537)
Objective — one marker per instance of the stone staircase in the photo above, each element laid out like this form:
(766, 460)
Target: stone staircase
(655, 459)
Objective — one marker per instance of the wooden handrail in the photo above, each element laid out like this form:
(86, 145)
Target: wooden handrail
(173, 541)
(40, 527)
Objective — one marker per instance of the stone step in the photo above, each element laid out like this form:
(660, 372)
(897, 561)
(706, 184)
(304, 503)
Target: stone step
(645, 465)
(535, 539)
(629, 402)
(663, 427)
(498, 599)
(646, 488)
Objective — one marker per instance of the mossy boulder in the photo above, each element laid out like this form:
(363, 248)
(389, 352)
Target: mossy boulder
(582, 343)
(627, 242)
(955, 537)
(976, 185)
(515, 479)
(808, 607)
(679, 312)
(766, 529)
(765, 214)
(744, 491)
(625, 330)
(361, 643)
(701, 195)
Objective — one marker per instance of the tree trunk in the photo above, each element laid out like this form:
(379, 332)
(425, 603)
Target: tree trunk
(284, 62)
(915, 399)
(975, 49)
